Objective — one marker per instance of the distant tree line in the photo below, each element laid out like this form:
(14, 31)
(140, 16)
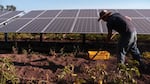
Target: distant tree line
(7, 7)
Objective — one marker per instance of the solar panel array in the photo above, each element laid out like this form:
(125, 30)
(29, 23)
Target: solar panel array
(8, 15)
(71, 21)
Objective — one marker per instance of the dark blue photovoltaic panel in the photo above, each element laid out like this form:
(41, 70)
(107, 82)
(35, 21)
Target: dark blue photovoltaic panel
(88, 13)
(68, 13)
(87, 25)
(11, 14)
(142, 26)
(104, 27)
(3, 12)
(2, 20)
(14, 26)
(145, 12)
(60, 26)
(70, 21)
(32, 14)
(49, 13)
(35, 26)
(129, 12)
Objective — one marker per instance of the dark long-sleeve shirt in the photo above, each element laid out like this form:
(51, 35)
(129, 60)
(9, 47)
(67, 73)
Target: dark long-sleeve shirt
(120, 24)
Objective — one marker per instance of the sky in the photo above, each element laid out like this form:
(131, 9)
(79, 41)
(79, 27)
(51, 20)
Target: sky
(27, 5)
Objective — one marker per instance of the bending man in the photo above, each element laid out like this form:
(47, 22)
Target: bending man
(128, 35)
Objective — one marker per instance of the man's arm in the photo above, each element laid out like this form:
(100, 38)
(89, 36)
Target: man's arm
(129, 18)
(113, 35)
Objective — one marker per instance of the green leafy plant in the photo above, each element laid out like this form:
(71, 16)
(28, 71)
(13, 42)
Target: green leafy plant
(7, 72)
(124, 75)
(146, 55)
(52, 52)
(68, 73)
(24, 51)
(97, 73)
(68, 70)
(14, 50)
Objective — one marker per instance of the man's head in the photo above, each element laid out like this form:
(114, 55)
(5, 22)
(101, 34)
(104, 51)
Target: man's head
(104, 14)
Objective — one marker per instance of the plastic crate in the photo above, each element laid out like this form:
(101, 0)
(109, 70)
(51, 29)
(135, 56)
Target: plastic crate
(99, 55)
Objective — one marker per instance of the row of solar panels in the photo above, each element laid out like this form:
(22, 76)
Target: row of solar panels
(69, 21)
(7, 15)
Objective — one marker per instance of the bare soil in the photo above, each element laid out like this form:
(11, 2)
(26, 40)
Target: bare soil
(38, 67)
(45, 68)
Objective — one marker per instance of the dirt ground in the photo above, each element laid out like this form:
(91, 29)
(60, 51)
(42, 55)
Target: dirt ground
(36, 67)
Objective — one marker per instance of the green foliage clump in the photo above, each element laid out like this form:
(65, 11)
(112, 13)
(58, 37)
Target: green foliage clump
(97, 73)
(124, 75)
(146, 55)
(7, 72)
(68, 70)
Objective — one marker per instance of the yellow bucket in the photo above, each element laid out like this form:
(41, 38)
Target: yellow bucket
(99, 55)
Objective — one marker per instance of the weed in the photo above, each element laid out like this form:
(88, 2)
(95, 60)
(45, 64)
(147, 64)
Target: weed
(52, 52)
(68, 70)
(24, 51)
(76, 50)
(123, 75)
(146, 55)
(97, 73)
(14, 50)
(7, 72)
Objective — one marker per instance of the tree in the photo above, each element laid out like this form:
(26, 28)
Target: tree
(1, 7)
(10, 8)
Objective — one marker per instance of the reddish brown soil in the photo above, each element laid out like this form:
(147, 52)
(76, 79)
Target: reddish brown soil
(42, 67)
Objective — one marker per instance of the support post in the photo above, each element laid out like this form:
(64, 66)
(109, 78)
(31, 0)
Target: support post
(41, 37)
(6, 37)
(83, 42)
(83, 38)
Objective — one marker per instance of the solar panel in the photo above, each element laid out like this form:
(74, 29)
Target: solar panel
(35, 26)
(60, 25)
(104, 27)
(2, 20)
(144, 12)
(68, 13)
(142, 26)
(10, 14)
(71, 21)
(129, 12)
(88, 13)
(87, 25)
(14, 26)
(3, 13)
(7, 16)
(32, 14)
(49, 13)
